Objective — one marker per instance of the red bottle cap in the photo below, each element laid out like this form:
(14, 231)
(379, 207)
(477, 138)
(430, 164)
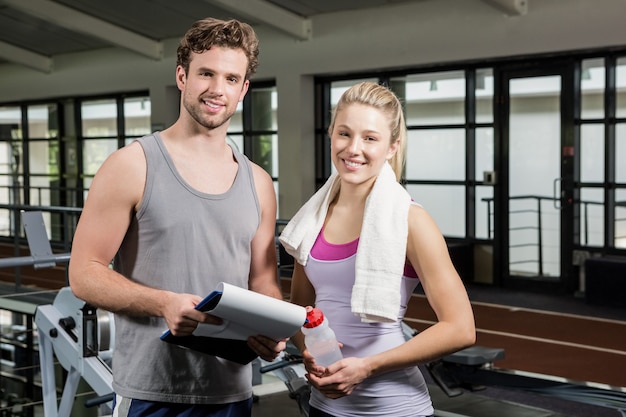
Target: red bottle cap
(314, 317)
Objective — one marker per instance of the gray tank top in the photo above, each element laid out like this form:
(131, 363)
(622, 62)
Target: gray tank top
(183, 240)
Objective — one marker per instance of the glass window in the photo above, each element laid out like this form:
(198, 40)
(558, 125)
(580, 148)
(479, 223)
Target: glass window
(446, 204)
(620, 149)
(592, 217)
(5, 222)
(534, 165)
(86, 185)
(484, 96)
(484, 212)
(43, 157)
(592, 89)
(99, 118)
(620, 218)
(137, 112)
(264, 103)
(526, 213)
(592, 153)
(436, 154)
(435, 98)
(95, 151)
(41, 193)
(6, 192)
(551, 238)
(620, 85)
(265, 153)
(11, 158)
(484, 151)
(534, 143)
(10, 123)
(42, 121)
(11, 170)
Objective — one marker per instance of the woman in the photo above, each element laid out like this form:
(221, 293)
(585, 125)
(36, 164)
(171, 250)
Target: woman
(362, 246)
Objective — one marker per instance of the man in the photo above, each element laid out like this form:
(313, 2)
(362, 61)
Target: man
(180, 211)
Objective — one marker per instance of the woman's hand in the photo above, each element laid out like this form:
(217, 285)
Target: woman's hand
(311, 366)
(340, 378)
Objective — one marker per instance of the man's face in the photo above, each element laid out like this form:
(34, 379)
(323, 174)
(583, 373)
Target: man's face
(213, 86)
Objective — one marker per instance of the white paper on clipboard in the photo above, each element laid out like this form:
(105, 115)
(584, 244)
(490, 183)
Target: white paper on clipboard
(248, 313)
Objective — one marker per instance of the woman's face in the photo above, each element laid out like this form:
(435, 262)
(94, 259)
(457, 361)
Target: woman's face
(360, 143)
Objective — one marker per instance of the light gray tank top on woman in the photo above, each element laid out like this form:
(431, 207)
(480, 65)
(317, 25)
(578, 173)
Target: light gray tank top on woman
(184, 241)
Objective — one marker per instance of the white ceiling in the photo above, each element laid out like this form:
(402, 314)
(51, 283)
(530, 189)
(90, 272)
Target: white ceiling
(32, 32)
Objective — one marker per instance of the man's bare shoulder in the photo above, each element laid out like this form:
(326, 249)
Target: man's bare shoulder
(259, 173)
(127, 160)
(264, 186)
(122, 176)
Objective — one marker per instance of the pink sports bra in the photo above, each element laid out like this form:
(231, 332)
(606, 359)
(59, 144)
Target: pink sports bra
(326, 251)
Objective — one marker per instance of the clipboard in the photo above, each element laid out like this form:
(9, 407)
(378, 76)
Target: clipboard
(244, 313)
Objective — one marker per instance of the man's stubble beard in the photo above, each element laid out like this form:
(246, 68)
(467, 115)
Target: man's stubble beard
(196, 113)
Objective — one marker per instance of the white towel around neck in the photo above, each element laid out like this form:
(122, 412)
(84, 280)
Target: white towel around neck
(381, 253)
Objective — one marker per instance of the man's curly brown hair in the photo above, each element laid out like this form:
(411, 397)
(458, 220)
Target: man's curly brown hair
(209, 32)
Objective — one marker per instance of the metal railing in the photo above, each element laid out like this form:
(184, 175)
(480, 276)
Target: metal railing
(60, 222)
(536, 210)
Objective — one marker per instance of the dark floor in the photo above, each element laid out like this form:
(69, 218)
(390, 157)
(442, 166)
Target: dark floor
(491, 402)
(566, 303)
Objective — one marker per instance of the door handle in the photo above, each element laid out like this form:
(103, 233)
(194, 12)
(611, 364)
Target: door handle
(556, 195)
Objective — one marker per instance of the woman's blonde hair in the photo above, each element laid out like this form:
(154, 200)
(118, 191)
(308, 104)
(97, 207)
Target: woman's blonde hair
(383, 99)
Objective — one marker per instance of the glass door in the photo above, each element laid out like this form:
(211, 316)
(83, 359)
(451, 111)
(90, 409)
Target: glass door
(536, 234)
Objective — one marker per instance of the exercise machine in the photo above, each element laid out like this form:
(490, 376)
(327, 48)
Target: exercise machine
(81, 339)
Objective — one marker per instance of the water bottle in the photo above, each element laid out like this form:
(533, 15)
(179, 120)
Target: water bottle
(319, 338)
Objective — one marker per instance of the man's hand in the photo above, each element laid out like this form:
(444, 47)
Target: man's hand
(181, 315)
(268, 349)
